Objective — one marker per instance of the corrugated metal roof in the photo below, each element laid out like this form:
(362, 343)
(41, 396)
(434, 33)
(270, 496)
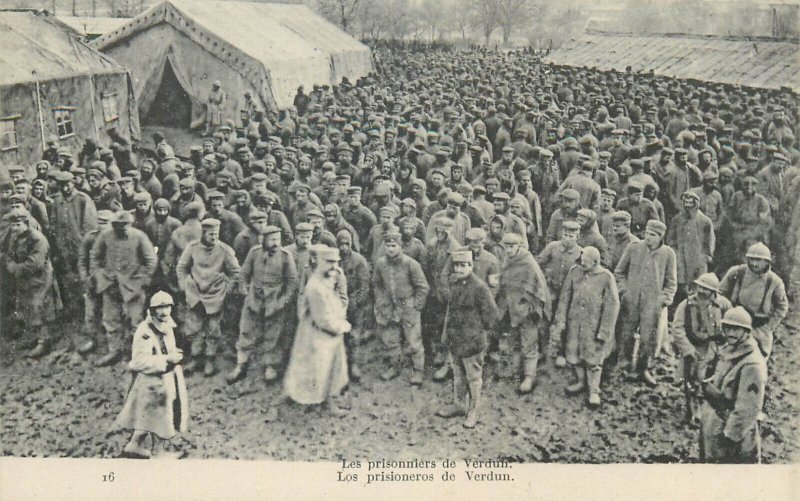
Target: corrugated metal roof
(33, 43)
(754, 63)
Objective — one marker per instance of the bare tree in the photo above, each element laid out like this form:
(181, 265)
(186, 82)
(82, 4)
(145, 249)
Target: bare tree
(342, 12)
(486, 16)
(516, 13)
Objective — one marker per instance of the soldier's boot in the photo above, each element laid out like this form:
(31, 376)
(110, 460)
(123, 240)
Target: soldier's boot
(526, 386)
(578, 385)
(643, 369)
(87, 347)
(136, 445)
(417, 377)
(355, 372)
(334, 409)
(442, 373)
(475, 389)
(193, 365)
(270, 374)
(390, 373)
(239, 371)
(561, 362)
(593, 375)
(39, 350)
(162, 450)
(109, 358)
(209, 369)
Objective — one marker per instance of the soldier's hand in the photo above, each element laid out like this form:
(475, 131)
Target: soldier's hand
(175, 358)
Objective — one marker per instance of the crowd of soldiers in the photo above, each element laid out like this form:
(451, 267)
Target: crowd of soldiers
(471, 197)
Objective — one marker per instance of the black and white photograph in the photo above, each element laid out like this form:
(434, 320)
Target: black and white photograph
(405, 238)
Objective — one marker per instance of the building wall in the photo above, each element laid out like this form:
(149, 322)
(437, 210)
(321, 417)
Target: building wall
(87, 116)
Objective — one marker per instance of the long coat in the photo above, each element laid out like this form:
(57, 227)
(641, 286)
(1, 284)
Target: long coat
(588, 308)
(206, 274)
(647, 283)
(400, 289)
(70, 219)
(270, 281)
(691, 235)
(318, 364)
(471, 312)
(734, 398)
(157, 385)
(27, 277)
(127, 263)
(523, 289)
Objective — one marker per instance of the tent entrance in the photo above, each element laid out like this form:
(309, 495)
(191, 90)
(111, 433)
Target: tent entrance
(172, 106)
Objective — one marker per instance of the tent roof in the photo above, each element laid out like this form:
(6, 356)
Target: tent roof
(753, 63)
(291, 42)
(36, 43)
(93, 25)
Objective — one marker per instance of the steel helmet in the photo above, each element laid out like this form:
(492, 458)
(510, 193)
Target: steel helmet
(759, 251)
(161, 298)
(738, 317)
(708, 281)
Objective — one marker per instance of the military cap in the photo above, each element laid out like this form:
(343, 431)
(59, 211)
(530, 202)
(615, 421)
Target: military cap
(383, 190)
(419, 182)
(681, 151)
(343, 177)
(194, 207)
(392, 235)
(325, 253)
(545, 153)
(16, 169)
(516, 202)
(604, 154)
(187, 181)
(122, 217)
(329, 209)
(328, 175)
(710, 174)
(269, 230)
(255, 178)
(354, 190)
(570, 226)
(622, 216)
(18, 216)
(314, 212)
(511, 238)
(105, 215)
(523, 174)
(587, 213)
(570, 194)
(142, 196)
(461, 256)
(608, 192)
(258, 215)
(656, 226)
(501, 195)
(162, 203)
(409, 201)
(304, 227)
(17, 198)
(455, 198)
(214, 195)
(62, 176)
(475, 234)
(210, 223)
(302, 187)
(779, 156)
(125, 179)
(387, 210)
(479, 189)
(635, 186)
(444, 222)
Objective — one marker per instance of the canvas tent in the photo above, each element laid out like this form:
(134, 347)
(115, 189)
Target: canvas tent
(176, 49)
(51, 83)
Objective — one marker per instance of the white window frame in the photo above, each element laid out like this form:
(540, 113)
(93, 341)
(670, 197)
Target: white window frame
(12, 119)
(64, 111)
(110, 110)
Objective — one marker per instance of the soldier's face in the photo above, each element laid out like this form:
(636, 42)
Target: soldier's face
(569, 204)
(272, 241)
(210, 236)
(259, 187)
(18, 227)
(42, 168)
(66, 188)
(345, 246)
(652, 239)
(303, 239)
(392, 249)
(38, 190)
(758, 266)
(416, 190)
(301, 196)
(162, 212)
(187, 192)
(216, 206)
(606, 203)
(120, 229)
(511, 249)
(587, 263)
(142, 207)
(516, 210)
(734, 334)
(620, 228)
(462, 270)
(22, 189)
(569, 237)
(161, 314)
(318, 222)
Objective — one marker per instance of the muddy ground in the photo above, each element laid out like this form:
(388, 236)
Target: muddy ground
(62, 406)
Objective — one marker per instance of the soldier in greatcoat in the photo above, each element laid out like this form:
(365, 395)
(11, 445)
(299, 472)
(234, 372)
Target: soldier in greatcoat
(206, 272)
